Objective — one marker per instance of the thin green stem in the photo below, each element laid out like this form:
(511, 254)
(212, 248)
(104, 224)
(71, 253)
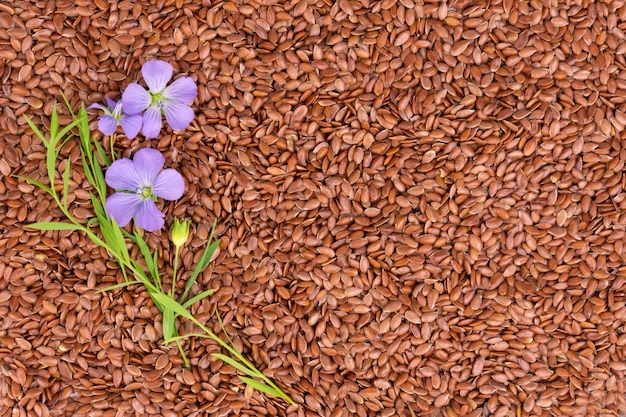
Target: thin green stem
(182, 354)
(111, 141)
(173, 295)
(173, 289)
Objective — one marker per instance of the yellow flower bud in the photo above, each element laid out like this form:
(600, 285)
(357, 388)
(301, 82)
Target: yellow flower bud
(180, 232)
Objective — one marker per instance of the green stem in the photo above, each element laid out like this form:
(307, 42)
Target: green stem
(182, 354)
(112, 150)
(173, 295)
(173, 289)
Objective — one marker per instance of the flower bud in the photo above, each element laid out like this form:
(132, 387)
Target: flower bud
(180, 232)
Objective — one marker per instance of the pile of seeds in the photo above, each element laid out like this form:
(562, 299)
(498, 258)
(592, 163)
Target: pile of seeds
(422, 208)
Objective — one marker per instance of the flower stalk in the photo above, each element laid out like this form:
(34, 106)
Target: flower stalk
(140, 181)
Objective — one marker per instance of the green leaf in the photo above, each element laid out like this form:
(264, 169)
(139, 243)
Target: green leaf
(54, 124)
(51, 156)
(169, 323)
(67, 104)
(197, 298)
(219, 319)
(173, 305)
(87, 170)
(54, 226)
(261, 387)
(36, 183)
(99, 180)
(120, 285)
(151, 260)
(203, 262)
(141, 274)
(237, 365)
(66, 181)
(36, 130)
(105, 225)
(185, 336)
(119, 238)
(155, 258)
(103, 156)
(66, 129)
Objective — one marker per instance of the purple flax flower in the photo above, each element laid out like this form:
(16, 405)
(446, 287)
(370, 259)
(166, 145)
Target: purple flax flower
(139, 182)
(113, 116)
(172, 100)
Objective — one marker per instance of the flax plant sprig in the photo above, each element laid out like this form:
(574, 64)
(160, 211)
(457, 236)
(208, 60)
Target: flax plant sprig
(104, 231)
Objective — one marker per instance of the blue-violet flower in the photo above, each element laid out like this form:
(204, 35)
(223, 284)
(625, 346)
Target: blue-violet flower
(138, 183)
(173, 101)
(114, 116)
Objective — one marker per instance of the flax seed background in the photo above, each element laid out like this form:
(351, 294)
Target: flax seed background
(421, 207)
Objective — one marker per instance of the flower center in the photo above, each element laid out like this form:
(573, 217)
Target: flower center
(117, 111)
(145, 192)
(157, 100)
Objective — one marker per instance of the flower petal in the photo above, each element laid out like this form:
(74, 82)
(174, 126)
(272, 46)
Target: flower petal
(135, 99)
(122, 207)
(122, 175)
(107, 124)
(148, 163)
(178, 115)
(151, 122)
(148, 216)
(183, 90)
(110, 102)
(97, 106)
(156, 74)
(131, 125)
(169, 185)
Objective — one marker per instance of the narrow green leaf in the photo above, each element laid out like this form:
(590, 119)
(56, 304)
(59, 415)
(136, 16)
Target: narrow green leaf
(219, 319)
(98, 208)
(200, 266)
(151, 262)
(169, 323)
(183, 337)
(87, 169)
(67, 104)
(54, 125)
(66, 181)
(66, 129)
(54, 226)
(197, 298)
(182, 354)
(237, 365)
(119, 237)
(99, 180)
(141, 274)
(105, 225)
(103, 156)
(155, 258)
(36, 183)
(203, 262)
(51, 156)
(271, 389)
(173, 305)
(260, 386)
(36, 130)
(116, 286)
